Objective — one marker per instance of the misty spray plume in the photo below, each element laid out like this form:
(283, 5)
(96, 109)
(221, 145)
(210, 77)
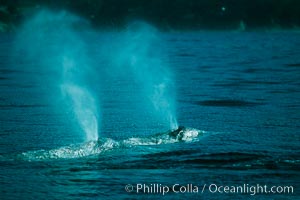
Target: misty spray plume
(140, 50)
(52, 41)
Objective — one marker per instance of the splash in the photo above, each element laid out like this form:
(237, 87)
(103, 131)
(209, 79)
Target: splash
(94, 148)
(53, 42)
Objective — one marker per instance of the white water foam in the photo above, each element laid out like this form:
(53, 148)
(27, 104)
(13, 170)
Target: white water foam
(92, 148)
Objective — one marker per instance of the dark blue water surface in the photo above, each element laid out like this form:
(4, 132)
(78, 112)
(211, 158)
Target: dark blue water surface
(242, 88)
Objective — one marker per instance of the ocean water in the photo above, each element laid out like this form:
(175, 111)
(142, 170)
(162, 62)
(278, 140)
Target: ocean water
(240, 89)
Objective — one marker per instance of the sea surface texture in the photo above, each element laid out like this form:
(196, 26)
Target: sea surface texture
(241, 90)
